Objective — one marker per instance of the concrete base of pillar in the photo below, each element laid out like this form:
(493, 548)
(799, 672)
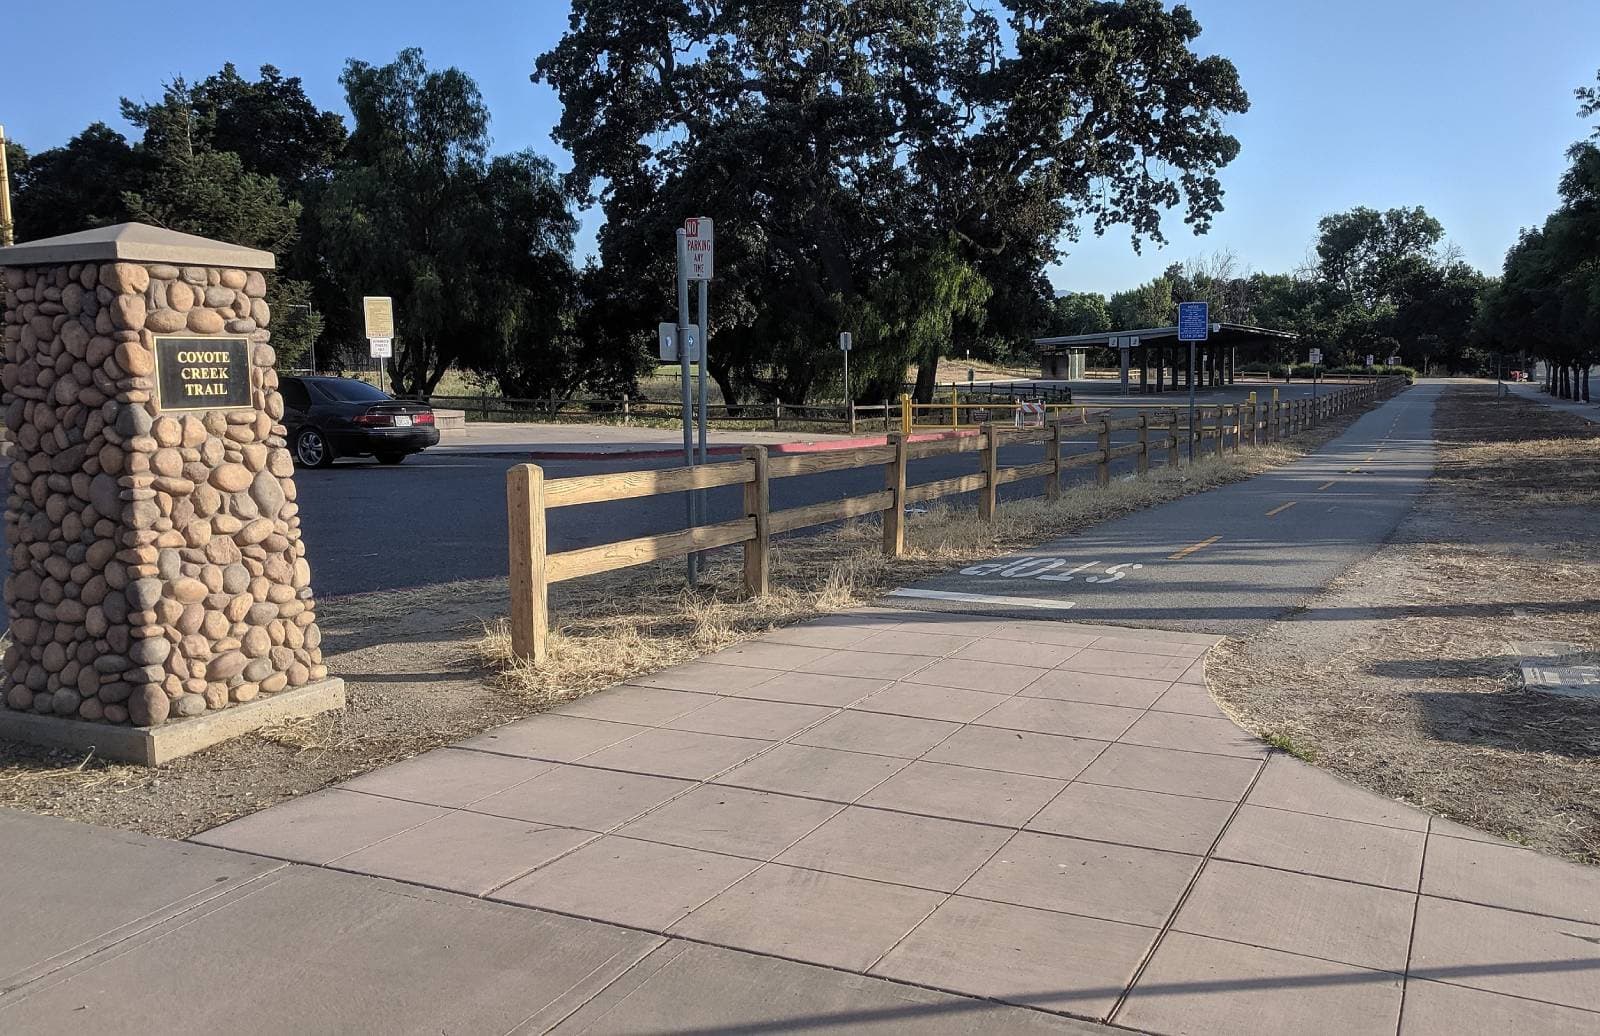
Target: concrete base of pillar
(152, 746)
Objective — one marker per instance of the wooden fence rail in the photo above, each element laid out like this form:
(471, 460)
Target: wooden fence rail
(530, 497)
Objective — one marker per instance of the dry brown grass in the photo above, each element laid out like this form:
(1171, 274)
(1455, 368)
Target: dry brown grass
(609, 628)
(1402, 677)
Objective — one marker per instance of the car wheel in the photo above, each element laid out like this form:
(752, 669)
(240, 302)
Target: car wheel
(391, 458)
(311, 450)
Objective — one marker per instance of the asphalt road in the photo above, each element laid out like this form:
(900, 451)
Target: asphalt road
(1223, 561)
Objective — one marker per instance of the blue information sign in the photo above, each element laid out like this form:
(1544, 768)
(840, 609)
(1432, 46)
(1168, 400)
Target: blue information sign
(1194, 321)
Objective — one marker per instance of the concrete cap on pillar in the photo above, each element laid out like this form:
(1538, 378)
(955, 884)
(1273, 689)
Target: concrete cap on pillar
(137, 243)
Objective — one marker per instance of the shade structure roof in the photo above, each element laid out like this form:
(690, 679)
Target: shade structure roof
(135, 242)
(1221, 334)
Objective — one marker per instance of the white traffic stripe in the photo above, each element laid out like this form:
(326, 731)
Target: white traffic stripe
(952, 595)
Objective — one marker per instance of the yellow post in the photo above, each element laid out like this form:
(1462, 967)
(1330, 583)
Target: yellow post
(530, 601)
(905, 413)
(7, 238)
(955, 409)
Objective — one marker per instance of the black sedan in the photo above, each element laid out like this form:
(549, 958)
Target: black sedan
(341, 417)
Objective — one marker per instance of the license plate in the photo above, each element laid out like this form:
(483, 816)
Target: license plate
(402, 421)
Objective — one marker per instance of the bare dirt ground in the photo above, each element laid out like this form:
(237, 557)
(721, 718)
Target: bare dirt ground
(431, 667)
(1401, 677)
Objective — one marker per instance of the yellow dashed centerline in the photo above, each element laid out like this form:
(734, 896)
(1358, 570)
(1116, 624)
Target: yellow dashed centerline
(1191, 548)
(1281, 508)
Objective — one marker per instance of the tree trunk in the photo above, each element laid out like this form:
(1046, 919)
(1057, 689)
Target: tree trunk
(927, 373)
(723, 376)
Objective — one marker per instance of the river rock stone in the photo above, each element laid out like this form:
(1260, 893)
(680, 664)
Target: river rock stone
(204, 322)
(231, 478)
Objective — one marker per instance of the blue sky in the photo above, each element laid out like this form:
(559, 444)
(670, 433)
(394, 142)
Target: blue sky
(1462, 106)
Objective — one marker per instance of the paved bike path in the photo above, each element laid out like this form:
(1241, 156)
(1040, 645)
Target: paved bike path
(1225, 560)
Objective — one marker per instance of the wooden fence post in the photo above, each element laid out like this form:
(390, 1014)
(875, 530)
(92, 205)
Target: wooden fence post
(894, 516)
(1255, 423)
(1052, 481)
(1102, 470)
(756, 505)
(530, 600)
(1172, 442)
(1143, 462)
(1238, 427)
(991, 473)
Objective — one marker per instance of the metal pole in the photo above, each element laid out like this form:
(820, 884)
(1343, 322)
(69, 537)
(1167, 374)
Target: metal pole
(703, 504)
(7, 237)
(1191, 402)
(683, 384)
(848, 402)
(705, 350)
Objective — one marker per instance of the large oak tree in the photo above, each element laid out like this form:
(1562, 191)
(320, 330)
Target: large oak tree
(878, 164)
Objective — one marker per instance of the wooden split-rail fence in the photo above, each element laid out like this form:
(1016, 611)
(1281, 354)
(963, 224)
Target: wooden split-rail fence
(530, 497)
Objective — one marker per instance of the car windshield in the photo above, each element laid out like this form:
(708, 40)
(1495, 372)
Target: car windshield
(348, 390)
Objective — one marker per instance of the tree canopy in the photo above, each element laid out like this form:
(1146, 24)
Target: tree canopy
(860, 145)
(1547, 303)
(475, 251)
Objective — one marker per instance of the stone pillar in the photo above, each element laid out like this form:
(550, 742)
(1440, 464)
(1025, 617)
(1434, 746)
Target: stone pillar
(156, 568)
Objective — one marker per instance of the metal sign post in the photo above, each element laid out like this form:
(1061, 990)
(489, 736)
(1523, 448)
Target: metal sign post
(699, 236)
(683, 386)
(849, 403)
(378, 315)
(1194, 325)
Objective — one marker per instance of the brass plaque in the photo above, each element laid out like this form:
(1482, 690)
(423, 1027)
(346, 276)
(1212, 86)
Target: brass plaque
(202, 373)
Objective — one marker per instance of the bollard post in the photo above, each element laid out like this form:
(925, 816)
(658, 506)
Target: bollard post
(530, 601)
(991, 472)
(1143, 462)
(894, 515)
(757, 550)
(905, 413)
(1102, 471)
(1052, 481)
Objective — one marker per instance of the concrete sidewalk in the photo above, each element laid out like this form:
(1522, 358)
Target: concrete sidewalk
(882, 819)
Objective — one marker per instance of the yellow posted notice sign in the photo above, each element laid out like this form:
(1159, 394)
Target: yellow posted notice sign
(379, 311)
